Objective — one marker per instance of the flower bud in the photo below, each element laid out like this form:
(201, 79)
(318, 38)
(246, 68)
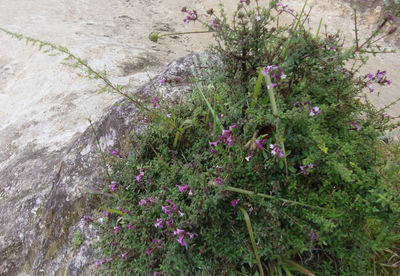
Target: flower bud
(153, 36)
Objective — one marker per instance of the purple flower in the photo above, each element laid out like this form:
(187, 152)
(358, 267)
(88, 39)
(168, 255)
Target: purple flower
(116, 229)
(272, 85)
(260, 143)
(123, 256)
(183, 188)
(105, 213)
(149, 251)
(215, 24)
(285, 8)
(235, 202)
(191, 16)
(156, 274)
(276, 151)
(213, 143)
(131, 226)
(182, 240)
(248, 157)
(113, 186)
(218, 181)
(99, 263)
(169, 222)
(304, 167)
(142, 202)
(162, 81)
(370, 88)
(159, 223)
(115, 152)
(358, 127)
(85, 219)
(190, 165)
(315, 111)
(140, 176)
(155, 103)
(169, 209)
(180, 213)
(179, 232)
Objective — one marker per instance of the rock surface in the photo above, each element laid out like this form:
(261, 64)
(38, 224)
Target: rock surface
(48, 157)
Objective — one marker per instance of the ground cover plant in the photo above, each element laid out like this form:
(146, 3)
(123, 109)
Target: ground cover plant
(275, 165)
(270, 167)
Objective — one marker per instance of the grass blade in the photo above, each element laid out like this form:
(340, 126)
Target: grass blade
(253, 242)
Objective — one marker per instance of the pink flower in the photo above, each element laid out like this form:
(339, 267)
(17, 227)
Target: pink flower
(315, 111)
(142, 202)
(218, 181)
(156, 103)
(140, 176)
(113, 186)
(191, 16)
(159, 223)
(213, 143)
(123, 256)
(260, 143)
(235, 202)
(358, 127)
(276, 151)
(116, 229)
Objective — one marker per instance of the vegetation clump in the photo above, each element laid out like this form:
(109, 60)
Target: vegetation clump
(272, 166)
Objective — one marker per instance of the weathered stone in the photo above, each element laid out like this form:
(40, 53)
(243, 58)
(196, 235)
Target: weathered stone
(39, 240)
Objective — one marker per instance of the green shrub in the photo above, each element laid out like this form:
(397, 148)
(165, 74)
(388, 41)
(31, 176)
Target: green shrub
(275, 164)
(283, 131)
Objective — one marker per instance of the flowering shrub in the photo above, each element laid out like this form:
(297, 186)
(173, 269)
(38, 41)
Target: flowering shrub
(279, 132)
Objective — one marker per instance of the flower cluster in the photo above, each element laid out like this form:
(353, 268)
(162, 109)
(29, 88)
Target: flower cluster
(182, 236)
(169, 209)
(99, 262)
(275, 72)
(285, 8)
(191, 15)
(183, 188)
(139, 177)
(315, 111)
(379, 77)
(355, 123)
(276, 151)
(155, 102)
(144, 201)
(113, 186)
(303, 168)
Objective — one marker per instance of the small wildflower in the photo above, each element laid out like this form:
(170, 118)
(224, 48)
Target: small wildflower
(276, 151)
(315, 111)
(213, 143)
(85, 219)
(183, 188)
(169, 222)
(115, 152)
(99, 263)
(159, 223)
(235, 202)
(272, 85)
(116, 229)
(142, 202)
(162, 81)
(191, 16)
(218, 181)
(304, 167)
(140, 176)
(131, 226)
(123, 256)
(190, 165)
(248, 157)
(113, 186)
(105, 213)
(258, 18)
(149, 251)
(155, 103)
(181, 214)
(358, 127)
(260, 143)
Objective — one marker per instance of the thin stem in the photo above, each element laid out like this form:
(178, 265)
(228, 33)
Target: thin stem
(355, 27)
(182, 33)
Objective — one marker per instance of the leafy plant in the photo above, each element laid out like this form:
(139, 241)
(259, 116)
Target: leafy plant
(274, 164)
